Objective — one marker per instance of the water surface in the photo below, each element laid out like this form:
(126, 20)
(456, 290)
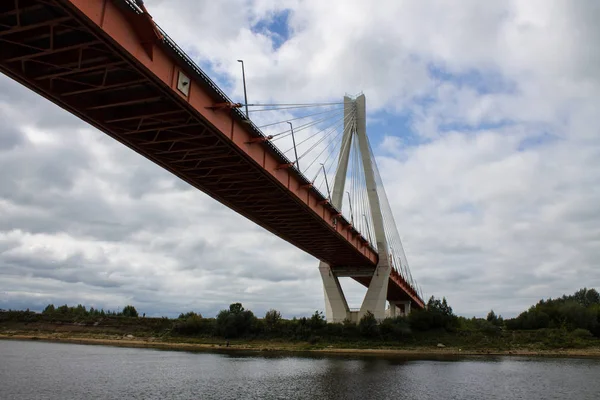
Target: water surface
(38, 370)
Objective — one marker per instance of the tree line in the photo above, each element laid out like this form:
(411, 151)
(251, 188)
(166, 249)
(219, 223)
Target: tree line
(82, 311)
(237, 322)
(580, 310)
(579, 313)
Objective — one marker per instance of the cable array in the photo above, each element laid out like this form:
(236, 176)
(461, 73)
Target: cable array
(395, 247)
(317, 131)
(314, 137)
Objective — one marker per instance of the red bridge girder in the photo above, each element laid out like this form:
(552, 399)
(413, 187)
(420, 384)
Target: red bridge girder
(108, 65)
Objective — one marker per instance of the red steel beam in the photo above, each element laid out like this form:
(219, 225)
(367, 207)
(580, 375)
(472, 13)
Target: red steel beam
(103, 87)
(51, 51)
(25, 28)
(72, 71)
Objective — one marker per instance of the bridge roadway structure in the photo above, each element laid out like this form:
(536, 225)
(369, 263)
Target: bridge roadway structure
(111, 65)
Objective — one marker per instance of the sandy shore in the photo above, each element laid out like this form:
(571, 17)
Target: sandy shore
(154, 343)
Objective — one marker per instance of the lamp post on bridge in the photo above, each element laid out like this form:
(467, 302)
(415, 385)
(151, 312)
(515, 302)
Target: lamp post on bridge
(326, 182)
(294, 142)
(351, 212)
(245, 94)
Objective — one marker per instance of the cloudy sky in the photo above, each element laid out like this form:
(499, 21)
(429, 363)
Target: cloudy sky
(483, 117)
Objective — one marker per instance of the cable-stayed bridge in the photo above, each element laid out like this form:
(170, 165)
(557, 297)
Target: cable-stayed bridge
(304, 171)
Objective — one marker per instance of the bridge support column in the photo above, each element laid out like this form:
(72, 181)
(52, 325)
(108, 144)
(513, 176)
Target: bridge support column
(336, 306)
(376, 296)
(405, 310)
(398, 309)
(393, 311)
(377, 292)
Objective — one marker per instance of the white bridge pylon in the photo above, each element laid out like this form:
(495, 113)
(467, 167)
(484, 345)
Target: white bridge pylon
(337, 309)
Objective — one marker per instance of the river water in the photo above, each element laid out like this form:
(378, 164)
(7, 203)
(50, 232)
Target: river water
(37, 370)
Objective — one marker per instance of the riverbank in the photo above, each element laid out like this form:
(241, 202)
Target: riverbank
(391, 337)
(291, 347)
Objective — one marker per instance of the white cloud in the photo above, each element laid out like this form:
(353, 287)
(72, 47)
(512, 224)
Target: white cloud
(497, 206)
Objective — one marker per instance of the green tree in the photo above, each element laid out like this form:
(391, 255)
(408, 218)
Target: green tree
(236, 308)
(494, 319)
(64, 309)
(317, 321)
(576, 311)
(129, 311)
(437, 315)
(49, 309)
(587, 297)
(235, 322)
(272, 320)
(439, 306)
(367, 326)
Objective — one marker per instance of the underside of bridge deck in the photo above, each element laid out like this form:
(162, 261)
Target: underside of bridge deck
(51, 48)
(114, 69)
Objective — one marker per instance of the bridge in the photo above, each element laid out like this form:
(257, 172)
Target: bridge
(111, 65)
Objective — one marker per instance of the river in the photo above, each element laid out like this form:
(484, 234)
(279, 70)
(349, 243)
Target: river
(38, 370)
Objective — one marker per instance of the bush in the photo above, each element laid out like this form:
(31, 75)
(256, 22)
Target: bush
(349, 328)
(334, 330)
(421, 320)
(194, 324)
(395, 328)
(188, 315)
(313, 340)
(582, 333)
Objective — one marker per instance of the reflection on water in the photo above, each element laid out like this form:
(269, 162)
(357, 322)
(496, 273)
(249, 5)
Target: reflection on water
(35, 370)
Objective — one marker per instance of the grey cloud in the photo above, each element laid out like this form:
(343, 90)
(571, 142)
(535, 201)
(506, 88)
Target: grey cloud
(10, 138)
(168, 248)
(74, 269)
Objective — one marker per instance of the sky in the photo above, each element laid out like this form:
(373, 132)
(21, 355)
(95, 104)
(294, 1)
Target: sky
(483, 117)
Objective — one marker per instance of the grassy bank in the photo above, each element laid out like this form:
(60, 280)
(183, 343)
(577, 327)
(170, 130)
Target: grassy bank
(158, 333)
(274, 346)
(561, 326)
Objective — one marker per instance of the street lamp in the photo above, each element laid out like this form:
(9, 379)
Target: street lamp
(294, 142)
(326, 182)
(245, 95)
(351, 212)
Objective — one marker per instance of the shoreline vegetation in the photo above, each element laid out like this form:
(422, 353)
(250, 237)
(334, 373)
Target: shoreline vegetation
(298, 348)
(568, 326)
